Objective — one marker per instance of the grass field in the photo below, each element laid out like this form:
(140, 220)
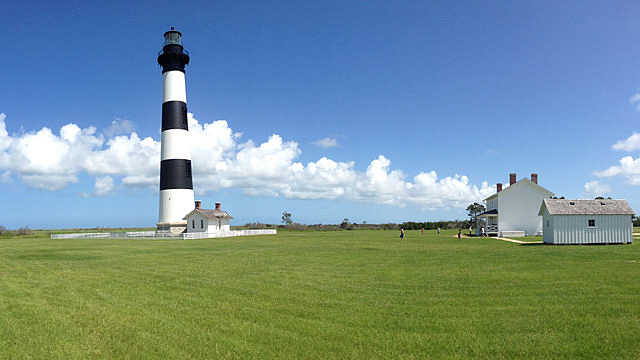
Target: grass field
(321, 295)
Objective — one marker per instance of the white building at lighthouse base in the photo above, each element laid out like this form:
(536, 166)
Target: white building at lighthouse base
(209, 221)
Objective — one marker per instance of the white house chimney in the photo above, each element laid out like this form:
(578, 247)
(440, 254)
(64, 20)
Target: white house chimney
(512, 179)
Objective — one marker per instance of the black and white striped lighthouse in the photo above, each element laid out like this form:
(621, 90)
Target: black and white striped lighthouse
(176, 187)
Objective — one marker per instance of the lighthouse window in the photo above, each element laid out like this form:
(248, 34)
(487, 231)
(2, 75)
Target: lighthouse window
(193, 224)
(201, 224)
(592, 223)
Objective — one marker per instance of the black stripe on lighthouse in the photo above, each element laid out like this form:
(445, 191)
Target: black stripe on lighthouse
(174, 115)
(175, 174)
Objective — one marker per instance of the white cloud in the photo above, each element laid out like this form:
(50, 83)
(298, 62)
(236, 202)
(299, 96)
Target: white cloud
(628, 168)
(635, 99)
(103, 186)
(326, 143)
(596, 188)
(119, 127)
(51, 161)
(629, 144)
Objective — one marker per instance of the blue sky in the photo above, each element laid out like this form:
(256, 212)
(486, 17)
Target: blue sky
(470, 91)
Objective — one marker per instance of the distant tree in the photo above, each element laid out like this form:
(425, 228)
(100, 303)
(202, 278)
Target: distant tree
(474, 210)
(3, 230)
(636, 221)
(286, 218)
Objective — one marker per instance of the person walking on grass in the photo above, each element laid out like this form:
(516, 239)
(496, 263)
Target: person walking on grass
(422, 231)
(438, 231)
(459, 234)
(483, 233)
(401, 234)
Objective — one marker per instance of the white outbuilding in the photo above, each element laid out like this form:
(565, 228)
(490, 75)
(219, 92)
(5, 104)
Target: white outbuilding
(514, 211)
(586, 221)
(208, 221)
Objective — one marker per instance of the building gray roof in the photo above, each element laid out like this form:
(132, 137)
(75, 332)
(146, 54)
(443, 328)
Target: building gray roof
(586, 207)
(211, 214)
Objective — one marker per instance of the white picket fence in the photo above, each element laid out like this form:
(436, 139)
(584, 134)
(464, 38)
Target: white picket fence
(81, 236)
(203, 235)
(153, 234)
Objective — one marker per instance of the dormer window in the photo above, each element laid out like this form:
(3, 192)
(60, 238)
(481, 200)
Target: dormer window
(571, 203)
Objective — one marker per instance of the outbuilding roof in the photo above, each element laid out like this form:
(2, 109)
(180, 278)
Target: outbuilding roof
(211, 214)
(586, 207)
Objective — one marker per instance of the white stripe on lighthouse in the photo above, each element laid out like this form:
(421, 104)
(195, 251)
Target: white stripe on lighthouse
(175, 144)
(175, 204)
(174, 88)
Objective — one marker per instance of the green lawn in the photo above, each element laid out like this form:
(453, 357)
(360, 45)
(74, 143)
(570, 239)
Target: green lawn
(319, 295)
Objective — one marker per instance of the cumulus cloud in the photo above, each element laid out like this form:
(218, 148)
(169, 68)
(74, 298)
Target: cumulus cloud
(51, 161)
(103, 186)
(629, 144)
(119, 127)
(326, 143)
(628, 167)
(635, 100)
(596, 188)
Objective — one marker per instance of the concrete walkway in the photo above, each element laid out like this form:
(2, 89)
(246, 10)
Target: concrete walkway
(517, 241)
(501, 238)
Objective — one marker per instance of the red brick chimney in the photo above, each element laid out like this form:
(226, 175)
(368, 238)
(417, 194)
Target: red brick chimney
(534, 178)
(198, 203)
(217, 206)
(512, 179)
(498, 187)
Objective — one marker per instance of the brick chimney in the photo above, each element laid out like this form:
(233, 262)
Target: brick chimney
(512, 179)
(498, 187)
(534, 178)
(217, 206)
(198, 203)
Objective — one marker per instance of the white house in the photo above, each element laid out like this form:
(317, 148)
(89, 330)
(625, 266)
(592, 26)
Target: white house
(209, 221)
(514, 210)
(586, 221)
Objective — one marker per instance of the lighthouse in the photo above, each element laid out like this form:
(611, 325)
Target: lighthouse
(176, 186)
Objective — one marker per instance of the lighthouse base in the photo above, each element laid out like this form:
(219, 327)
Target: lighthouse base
(171, 228)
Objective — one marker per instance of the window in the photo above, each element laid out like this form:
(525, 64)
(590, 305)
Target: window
(193, 223)
(201, 224)
(591, 222)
